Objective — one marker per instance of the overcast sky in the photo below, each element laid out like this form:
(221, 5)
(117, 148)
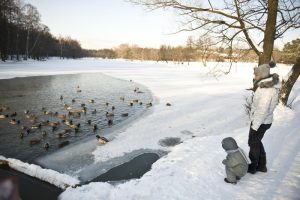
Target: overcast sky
(108, 23)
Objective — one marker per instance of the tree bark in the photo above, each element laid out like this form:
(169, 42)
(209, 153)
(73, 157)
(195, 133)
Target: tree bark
(289, 83)
(269, 36)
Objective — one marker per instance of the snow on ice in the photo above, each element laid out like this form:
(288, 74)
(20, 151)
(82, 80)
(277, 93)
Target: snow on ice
(60, 180)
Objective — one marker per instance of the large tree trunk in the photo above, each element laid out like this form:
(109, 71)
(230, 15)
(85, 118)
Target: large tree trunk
(289, 83)
(270, 31)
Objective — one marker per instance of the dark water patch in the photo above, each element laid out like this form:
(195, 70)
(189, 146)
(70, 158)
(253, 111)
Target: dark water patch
(135, 168)
(170, 141)
(30, 188)
(42, 93)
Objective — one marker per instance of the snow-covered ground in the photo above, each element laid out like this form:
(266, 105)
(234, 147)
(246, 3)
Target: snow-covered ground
(204, 110)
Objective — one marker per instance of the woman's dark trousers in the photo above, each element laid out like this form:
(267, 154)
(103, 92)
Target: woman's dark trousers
(257, 152)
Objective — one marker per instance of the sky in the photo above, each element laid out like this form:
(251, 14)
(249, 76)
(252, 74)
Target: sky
(98, 24)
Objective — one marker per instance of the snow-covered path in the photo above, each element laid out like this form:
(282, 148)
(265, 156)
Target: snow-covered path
(204, 110)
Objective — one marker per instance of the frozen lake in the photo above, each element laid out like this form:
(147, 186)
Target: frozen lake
(41, 97)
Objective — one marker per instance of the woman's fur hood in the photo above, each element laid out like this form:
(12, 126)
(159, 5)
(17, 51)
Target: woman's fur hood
(266, 83)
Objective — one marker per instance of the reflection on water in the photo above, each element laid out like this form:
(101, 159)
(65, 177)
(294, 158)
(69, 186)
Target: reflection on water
(41, 96)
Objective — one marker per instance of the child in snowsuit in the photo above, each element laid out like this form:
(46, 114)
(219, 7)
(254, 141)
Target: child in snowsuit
(236, 163)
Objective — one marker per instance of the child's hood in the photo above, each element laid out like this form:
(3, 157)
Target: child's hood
(229, 144)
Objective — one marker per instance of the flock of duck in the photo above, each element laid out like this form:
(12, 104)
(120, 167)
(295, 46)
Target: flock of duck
(65, 120)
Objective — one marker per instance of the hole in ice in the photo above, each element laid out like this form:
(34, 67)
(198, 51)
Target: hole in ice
(169, 141)
(135, 168)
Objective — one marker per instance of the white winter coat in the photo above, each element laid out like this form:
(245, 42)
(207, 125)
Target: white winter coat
(264, 102)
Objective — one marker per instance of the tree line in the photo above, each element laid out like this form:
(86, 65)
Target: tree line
(23, 36)
(202, 50)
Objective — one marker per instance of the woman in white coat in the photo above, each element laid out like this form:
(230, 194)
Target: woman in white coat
(265, 99)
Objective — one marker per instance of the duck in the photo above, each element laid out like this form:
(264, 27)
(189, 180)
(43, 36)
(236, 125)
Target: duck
(141, 103)
(28, 131)
(106, 103)
(110, 122)
(48, 112)
(64, 143)
(43, 108)
(122, 98)
(26, 112)
(61, 97)
(66, 105)
(130, 104)
(13, 114)
(69, 108)
(94, 111)
(75, 126)
(32, 120)
(73, 100)
(95, 127)
(113, 108)
(22, 134)
(67, 122)
(79, 90)
(36, 125)
(4, 108)
(68, 130)
(124, 114)
(82, 105)
(44, 133)
(63, 134)
(168, 104)
(25, 130)
(29, 116)
(74, 114)
(34, 141)
(84, 109)
(136, 89)
(14, 121)
(109, 114)
(135, 100)
(24, 127)
(60, 116)
(89, 122)
(149, 105)
(46, 146)
(101, 139)
(91, 100)
(52, 123)
(3, 116)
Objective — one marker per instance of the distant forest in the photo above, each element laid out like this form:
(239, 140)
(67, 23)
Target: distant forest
(23, 36)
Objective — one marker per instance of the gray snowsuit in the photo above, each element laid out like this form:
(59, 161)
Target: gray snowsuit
(236, 164)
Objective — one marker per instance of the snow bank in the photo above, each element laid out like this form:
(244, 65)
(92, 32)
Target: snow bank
(60, 180)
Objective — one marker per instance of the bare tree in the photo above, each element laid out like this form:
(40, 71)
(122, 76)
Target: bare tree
(287, 85)
(203, 46)
(257, 22)
(31, 21)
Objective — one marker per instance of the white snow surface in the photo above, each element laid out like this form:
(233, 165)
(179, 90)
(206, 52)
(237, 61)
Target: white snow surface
(205, 109)
(60, 180)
